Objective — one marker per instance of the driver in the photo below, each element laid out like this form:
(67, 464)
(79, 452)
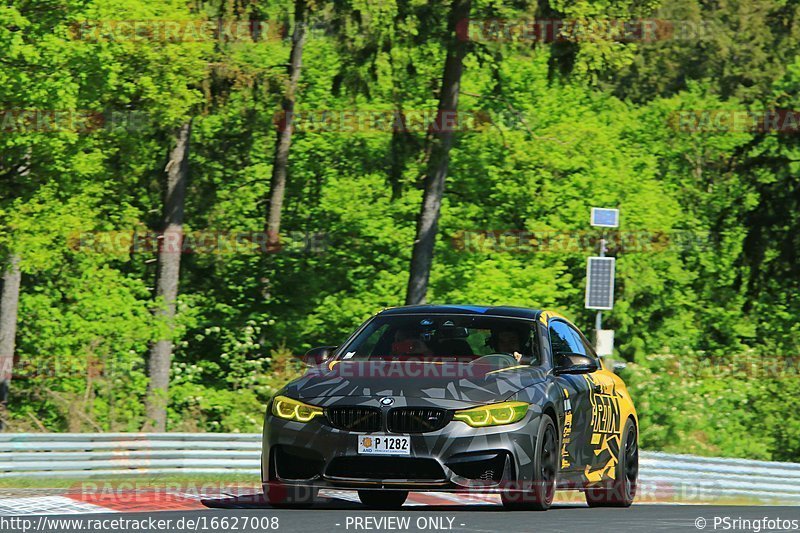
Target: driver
(407, 342)
(507, 341)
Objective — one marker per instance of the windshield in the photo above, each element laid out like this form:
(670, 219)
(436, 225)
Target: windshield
(461, 338)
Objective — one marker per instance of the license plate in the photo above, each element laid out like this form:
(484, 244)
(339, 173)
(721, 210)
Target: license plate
(384, 445)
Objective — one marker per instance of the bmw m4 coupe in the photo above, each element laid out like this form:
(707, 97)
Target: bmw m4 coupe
(454, 398)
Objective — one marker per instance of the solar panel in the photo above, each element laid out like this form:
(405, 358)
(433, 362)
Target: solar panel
(605, 218)
(600, 283)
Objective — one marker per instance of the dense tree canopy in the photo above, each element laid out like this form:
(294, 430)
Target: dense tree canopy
(707, 274)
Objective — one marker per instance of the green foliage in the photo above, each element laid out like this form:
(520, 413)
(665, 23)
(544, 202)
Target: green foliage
(710, 220)
(736, 406)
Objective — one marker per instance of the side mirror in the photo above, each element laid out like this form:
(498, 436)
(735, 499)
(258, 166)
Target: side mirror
(574, 363)
(319, 355)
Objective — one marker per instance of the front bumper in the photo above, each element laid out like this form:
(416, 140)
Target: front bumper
(455, 458)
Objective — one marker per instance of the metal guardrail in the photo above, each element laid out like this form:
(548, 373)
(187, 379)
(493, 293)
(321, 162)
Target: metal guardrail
(108, 454)
(713, 477)
(105, 454)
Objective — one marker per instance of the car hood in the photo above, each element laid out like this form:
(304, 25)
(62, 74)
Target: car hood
(472, 383)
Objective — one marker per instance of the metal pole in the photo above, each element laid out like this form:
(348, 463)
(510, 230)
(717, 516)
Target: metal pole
(598, 321)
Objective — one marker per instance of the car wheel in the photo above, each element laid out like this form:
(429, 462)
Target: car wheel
(383, 499)
(622, 491)
(545, 469)
(280, 495)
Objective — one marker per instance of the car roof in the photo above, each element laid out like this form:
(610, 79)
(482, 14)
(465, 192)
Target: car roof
(488, 310)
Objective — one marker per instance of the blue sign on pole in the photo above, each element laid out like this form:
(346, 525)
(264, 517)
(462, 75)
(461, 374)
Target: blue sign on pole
(605, 218)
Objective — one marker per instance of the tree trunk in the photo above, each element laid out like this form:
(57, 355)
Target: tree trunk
(8, 327)
(428, 221)
(169, 264)
(400, 146)
(284, 141)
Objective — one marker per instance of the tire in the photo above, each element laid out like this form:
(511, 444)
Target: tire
(545, 470)
(383, 499)
(622, 490)
(288, 496)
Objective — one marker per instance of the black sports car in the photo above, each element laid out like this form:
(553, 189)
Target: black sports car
(454, 398)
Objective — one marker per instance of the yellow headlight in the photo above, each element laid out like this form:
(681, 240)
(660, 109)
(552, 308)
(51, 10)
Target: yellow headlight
(289, 409)
(496, 414)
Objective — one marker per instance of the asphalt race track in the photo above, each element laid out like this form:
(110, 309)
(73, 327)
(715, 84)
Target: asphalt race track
(342, 513)
(448, 518)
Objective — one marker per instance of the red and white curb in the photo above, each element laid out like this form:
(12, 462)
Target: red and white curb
(47, 505)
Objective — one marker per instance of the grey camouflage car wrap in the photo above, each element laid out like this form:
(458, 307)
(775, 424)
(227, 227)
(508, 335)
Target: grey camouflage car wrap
(450, 386)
